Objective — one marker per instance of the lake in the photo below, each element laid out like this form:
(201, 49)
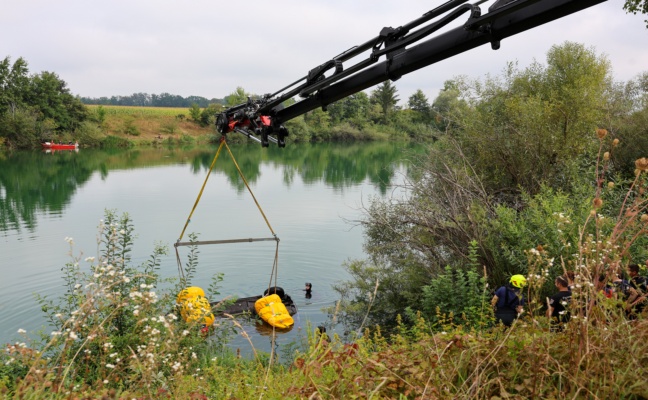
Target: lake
(310, 194)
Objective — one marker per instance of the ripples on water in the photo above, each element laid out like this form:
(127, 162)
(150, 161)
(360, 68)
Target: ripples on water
(308, 217)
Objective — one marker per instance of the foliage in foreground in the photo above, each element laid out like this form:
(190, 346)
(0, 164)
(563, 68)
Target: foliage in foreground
(116, 335)
(115, 327)
(525, 361)
(519, 168)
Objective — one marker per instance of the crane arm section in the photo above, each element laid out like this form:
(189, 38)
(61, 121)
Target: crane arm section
(390, 55)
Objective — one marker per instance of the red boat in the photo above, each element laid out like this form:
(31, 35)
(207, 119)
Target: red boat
(60, 146)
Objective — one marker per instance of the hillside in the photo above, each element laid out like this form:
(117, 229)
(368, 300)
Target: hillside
(149, 124)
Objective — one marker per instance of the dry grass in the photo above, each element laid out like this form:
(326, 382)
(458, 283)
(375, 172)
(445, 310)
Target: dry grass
(152, 123)
(600, 354)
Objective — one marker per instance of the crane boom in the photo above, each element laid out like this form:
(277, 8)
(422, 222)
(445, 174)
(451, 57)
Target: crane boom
(404, 50)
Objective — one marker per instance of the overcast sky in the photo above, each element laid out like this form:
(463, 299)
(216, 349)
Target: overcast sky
(209, 47)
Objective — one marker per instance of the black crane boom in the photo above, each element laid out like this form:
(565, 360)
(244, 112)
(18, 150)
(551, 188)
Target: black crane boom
(404, 51)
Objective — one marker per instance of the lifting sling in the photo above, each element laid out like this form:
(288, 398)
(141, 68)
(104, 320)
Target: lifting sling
(223, 143)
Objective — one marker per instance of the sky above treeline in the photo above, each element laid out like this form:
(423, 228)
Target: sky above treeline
(208, 48)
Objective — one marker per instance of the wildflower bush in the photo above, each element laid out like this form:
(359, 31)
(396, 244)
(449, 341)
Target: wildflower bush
(116, 327)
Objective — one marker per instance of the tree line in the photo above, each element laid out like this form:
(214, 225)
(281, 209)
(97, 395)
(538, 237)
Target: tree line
(523, 161)
(152, 100)
(34, 107)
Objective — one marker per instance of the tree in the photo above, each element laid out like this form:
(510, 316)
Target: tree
(419, 103)
(449, 107)
(237, 97)
(519, 155)
(532, 127)
(356, 106)
(633, 125)
(51, 96)
(194, 112)
(14, 84)
(318, 119)
(209, 113)
(637, 6)
(385, 96)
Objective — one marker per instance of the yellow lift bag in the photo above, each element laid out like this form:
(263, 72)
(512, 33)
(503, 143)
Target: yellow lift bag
(273, 311)
(194, 306)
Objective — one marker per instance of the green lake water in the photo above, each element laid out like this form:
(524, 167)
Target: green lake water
(311, 194)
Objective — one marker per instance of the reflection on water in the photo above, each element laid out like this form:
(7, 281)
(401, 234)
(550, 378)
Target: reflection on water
(306, 191)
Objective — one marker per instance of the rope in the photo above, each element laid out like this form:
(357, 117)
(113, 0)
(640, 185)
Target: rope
(275, 264)
(211, 167)
(202, 188)
(248, 188)
(178, 243)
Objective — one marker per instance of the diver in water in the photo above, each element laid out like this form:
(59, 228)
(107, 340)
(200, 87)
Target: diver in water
(308, 289)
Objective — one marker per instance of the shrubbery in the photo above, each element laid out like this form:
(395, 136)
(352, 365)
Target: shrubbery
(115, 327)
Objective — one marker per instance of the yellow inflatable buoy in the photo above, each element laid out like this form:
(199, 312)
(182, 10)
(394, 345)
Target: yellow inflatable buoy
(194, 306)
(189, 293)
(273, 311)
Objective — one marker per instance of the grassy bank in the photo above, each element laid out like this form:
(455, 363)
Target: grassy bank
(123, 126)
(149, 125)
(116, 334)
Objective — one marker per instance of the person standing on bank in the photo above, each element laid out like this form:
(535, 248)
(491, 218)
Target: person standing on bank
(508, 300)
(557, 304)
(637, 292)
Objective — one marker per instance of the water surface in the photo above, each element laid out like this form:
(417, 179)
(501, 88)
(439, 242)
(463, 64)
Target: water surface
(311, 194)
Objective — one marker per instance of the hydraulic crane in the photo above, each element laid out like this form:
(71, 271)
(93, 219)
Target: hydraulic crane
(392, 54)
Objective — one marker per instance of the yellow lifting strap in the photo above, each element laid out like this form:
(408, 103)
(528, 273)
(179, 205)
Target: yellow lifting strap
(223, 143)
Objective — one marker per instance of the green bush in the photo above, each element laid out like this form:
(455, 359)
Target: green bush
(169, 127)
(89, 134)
(116, 326)
(114, 142)
(458, 296)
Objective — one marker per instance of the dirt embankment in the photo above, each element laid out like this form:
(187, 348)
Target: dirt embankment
(148, 124)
